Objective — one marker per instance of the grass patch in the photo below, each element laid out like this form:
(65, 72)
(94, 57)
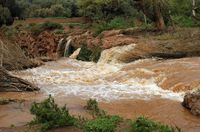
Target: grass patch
(36, 29)
(185, 21)
(116, 23)
(48, 115)
(73, 25)
(143, 124)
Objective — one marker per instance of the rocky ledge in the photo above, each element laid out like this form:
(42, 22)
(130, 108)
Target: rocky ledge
(9, 83)
(192, 102)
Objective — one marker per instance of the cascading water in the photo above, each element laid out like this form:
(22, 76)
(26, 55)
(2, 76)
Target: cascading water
(67, 47)
(90, 80)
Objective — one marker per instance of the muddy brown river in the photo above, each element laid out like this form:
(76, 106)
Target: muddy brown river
(150, 87)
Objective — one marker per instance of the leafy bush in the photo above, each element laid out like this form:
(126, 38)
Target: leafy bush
(143, 124)
(101, 124)
(49, 115)
(92, 105)
(185, 21)
(87, 54)
(5, 16)
(116, 23)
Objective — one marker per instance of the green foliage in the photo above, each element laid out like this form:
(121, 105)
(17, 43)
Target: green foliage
(87, 54)
(92, 105)
(36, 29)
(115, 23)
(49, 8)
(101, 121)
(5, 16)
(101, 124)
(143, 124)
(106, 9)
(185, 21)
(49, 115)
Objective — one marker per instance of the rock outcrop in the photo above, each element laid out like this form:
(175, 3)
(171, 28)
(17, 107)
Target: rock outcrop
(192, 102)
(12, 56)
(9, 83)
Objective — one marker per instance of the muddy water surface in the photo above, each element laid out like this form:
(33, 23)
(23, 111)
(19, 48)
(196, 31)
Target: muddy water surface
(147, 87)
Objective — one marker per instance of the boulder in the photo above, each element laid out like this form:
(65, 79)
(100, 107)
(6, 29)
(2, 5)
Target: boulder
(9, 83)
(192, 102)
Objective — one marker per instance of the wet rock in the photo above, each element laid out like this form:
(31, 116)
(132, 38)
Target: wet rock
(9, 83)
(117, 54)
(192, 102)
(75, 54)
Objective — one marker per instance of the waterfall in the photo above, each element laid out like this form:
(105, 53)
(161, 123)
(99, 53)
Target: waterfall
(67, 47)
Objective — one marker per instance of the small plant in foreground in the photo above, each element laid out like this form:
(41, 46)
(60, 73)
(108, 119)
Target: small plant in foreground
(92, 105)
(102, 124)
(143, 124)
(48, 115)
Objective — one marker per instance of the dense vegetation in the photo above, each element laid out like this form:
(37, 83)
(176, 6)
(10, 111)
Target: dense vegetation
(48, 115)
(160, 12)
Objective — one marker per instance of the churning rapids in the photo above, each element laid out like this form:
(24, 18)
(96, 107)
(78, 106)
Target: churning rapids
(90, 80)
(149, 87)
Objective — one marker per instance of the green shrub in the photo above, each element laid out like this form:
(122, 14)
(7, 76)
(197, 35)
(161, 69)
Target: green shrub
(185, 21)
(102, 124)
(87, 54)
(48, 115)
(93, 107)
(116, 23)
(143, 124)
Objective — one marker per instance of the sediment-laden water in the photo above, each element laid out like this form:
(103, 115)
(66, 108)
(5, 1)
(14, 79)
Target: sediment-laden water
(150, 87)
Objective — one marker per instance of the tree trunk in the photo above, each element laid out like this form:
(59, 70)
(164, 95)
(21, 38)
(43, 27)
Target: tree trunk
(159, 21)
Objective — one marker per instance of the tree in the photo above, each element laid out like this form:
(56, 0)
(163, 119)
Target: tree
(5, 16)
(155, 10)
(106, 9)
